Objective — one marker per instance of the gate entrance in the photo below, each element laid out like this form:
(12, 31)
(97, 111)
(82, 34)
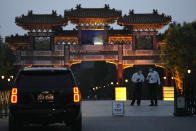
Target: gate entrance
(93, 39)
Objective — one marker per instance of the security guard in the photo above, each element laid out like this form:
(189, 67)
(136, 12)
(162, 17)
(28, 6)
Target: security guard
(153, 82)
(137, 79)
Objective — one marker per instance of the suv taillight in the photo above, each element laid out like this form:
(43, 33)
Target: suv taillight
(14, 98)
(76, 94)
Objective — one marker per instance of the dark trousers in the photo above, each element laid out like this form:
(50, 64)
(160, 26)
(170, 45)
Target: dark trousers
(153, 93)
(137, 93)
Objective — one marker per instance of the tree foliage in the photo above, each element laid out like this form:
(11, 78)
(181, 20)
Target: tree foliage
(180, 48)
(6, 59)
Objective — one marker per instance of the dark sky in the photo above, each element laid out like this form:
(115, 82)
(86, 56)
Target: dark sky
(180, 10)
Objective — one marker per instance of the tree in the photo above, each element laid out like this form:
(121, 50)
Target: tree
(6, 64)
(6, 59)
(180, 49)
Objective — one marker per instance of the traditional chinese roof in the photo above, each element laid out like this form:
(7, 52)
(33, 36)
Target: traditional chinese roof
(151, 20)
(18, 39)
(92, 15)
(40, 21)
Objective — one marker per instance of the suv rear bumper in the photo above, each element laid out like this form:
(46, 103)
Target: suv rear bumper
(45, 116)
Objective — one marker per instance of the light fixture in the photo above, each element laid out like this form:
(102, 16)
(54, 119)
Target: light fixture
(126, 80)
(8, 79)
(189, 71)
(2, 77)
(164, 77)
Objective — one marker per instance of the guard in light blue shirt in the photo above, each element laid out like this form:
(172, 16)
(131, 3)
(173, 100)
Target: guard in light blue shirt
(137, 79)
(153, 82)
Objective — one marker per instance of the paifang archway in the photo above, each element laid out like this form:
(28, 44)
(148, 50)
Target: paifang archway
(47, 44)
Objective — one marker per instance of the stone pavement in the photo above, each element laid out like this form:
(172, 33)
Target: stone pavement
(97, 116)
(104, 108)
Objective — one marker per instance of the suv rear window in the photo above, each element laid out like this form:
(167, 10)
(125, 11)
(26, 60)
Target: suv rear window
(46, 79)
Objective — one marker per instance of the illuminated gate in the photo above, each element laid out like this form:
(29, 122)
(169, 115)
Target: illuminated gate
(47, 44)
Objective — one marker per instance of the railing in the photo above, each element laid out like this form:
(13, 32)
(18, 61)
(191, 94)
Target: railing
(61, 54)
(185, 102)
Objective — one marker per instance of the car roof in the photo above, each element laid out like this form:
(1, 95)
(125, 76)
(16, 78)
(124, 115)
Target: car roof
(46, 69)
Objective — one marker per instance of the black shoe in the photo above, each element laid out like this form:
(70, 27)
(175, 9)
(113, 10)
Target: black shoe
(151, 105)
(138, 104)
(131, 104)
(156, 104)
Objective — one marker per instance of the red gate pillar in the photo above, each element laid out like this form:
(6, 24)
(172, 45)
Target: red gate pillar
(120, 64)
(120, 74)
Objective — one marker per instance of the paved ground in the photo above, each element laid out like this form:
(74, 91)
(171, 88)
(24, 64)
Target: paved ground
(104, 108)
(97, 116)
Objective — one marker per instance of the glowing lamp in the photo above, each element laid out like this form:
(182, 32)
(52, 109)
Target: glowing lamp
(189, 71)
(126, 80)
(120, 94)
(2, 77)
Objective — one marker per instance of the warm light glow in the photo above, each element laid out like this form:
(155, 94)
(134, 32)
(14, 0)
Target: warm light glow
(93, 89)
(76, 94)
(179, 82)
(8, 79)
(164, 77)
(2, 77)
(126, 80)
(12, 77)
(120, 94)
(168, 93)
(172, 78)
(96, 88)
(112, 83)
(117, 83)
(189, 71)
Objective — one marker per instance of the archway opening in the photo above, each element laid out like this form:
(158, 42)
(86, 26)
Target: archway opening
(97, 79)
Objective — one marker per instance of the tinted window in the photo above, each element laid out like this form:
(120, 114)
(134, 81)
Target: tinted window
(46, 79)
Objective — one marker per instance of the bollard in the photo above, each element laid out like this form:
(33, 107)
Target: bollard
(118, 104)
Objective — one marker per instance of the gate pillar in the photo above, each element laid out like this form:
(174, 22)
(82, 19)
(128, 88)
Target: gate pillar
(120, 74)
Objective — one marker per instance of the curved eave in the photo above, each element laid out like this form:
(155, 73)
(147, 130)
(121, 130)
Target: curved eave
(39, 26)
(139, 23)
(76, 20)
(147, 25)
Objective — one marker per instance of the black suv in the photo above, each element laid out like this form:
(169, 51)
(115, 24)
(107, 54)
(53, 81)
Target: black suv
(45, 95)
